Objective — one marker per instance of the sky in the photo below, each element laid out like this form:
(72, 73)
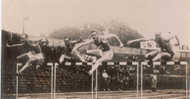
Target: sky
(146, 16)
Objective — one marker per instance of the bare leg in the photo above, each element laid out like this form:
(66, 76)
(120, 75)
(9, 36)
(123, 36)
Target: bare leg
(160, 55)
(157, 57)
(105, 56)
(95, 52)
(22, 55)
(28, 63)
(94, 59)
(151, 53)
(96, 65)
(61, 59)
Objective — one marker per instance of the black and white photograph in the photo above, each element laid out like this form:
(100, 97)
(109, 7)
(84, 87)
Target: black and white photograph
(95, 49)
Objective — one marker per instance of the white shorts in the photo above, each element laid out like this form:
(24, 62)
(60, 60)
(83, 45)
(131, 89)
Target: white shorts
(38, 56)
(107, 55)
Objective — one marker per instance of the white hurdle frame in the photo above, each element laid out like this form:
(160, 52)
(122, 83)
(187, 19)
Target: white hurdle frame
(168, 63)
(142, 72)
(96, 85)
(92, 78)
(55, 76)
(92, 86)
(52, 80)
(186, 75)
(137, 86)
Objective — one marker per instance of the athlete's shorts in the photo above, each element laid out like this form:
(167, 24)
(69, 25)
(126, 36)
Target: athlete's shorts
(38, 56)
(107, 55)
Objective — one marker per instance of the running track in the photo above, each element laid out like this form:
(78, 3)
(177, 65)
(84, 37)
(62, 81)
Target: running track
(147, 94)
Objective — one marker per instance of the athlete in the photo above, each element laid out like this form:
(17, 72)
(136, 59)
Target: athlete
(103, 49)
(69, 44)
(108, 35)
(34, 54)
(166, 46)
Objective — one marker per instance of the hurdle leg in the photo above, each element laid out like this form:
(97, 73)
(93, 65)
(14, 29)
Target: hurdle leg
(137, 84)
(186, 80)
(96, 83)
(187, 96)
(142, 65)
(17, 78)
(51, 82)
(55, 75)
(187, 91)
(52, 89)
(92, 86)
(141, 81)
(17, 81)
(137, 81)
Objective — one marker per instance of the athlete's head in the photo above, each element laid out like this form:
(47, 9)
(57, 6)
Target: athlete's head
(44, 41)
(93, 34)
(67, 38)
(24, 36)
(157, 36)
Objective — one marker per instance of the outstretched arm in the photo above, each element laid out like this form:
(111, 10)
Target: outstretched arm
(136, 40)
(115, 36)
(82, 44)
(76, 41)
(15, 45)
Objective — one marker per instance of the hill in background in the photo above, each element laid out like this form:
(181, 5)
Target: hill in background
(124, 32)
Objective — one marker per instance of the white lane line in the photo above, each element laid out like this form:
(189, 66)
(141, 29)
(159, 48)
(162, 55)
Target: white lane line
(164, 95)
(129, 94)
(154, 96)
(181, 97)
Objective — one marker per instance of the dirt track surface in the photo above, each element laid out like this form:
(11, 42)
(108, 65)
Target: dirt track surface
(147, 94)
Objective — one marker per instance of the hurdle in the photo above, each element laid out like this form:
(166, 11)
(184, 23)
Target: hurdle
(134, 63)
(53, 72)
(92, 77)
(142, 72)
(168, 63)
(186, 75)
(55, 76)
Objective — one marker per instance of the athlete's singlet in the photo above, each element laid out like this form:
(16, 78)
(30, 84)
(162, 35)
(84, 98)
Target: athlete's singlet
(68, 46)
(36, 49)
(102, 44)
(164, 45)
